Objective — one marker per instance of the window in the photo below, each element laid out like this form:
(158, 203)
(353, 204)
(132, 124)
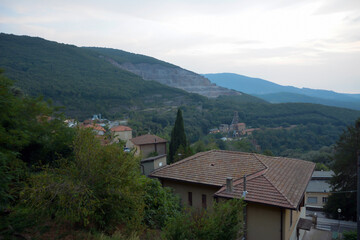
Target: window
(160, 164)
(203, 200)
(190, 198)
(291, 217)
(312, 200)
(324, 199)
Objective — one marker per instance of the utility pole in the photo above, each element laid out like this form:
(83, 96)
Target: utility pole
(358, 195)
(358, 178)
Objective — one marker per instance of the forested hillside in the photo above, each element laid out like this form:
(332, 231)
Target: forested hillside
(86, 83)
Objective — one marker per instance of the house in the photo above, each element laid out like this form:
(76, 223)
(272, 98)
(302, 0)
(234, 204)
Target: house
(275, 188)
(148, 144)
(318, 190)
(123, 133)
(150, 164)
(99, 130)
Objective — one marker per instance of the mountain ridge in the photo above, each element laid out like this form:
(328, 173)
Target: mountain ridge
(276, 93)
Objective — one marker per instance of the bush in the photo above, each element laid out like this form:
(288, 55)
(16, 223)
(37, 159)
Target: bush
(224, 221)
(101, 187)
(160, 204)
(351, 235)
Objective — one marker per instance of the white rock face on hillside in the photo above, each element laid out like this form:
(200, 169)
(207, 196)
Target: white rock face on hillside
(175, 77)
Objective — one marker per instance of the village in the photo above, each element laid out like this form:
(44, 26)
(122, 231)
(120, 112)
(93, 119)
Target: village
(285, 196)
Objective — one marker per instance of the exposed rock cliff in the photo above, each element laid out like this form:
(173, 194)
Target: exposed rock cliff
(175, 77)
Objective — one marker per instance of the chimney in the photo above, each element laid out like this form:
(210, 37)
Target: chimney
(229, 184)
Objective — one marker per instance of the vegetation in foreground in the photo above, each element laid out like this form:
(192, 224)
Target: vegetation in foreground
(344, 182)
(58, 182)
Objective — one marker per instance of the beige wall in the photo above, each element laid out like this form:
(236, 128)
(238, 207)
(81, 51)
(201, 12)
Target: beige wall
(149, 166)
(290, 230)
(146, 149)
(197, 190)
(160, 162)
(124, 135)
(263, 222)
(319, 197)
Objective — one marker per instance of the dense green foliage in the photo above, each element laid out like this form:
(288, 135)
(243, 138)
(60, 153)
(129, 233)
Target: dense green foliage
(28, 138)
(294, 141)
(102, 186)
(160, 204)
(344, 180)
(223, 221)
(351, 235)
(126, 57)
(178, 142)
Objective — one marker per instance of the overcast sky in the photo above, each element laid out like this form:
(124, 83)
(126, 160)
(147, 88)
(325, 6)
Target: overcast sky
(306, 43)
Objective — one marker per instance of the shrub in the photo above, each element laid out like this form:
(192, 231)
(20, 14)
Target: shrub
(160, 204)
(223, 221)
(101, 187)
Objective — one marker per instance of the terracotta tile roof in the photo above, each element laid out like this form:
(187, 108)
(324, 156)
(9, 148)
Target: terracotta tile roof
(270, 180)
(212, 167)
(95, 127)
(147, 139)
(120, 128)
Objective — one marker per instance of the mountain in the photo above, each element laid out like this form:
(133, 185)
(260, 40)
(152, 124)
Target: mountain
(88, 81)
(276, 93)
(152, 69)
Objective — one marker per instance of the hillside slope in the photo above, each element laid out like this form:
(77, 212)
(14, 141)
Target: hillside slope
(84, 82)
(152, 69)
(78, 79)
(276, 93)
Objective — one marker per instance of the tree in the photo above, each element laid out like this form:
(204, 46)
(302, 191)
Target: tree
(27, 137)
(178, 138)
(344, 180)
(102, 187)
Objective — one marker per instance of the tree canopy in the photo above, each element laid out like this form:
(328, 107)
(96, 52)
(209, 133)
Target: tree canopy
(178, 142)
(344, 182)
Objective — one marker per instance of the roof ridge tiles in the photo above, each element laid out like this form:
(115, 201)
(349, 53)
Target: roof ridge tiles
(282, 194)
(257, 157)
(182, 161)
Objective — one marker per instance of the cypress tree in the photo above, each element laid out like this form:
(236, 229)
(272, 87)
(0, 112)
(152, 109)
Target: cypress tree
(178, 137)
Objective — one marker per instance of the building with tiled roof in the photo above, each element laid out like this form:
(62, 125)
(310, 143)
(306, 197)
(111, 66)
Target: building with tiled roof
(148, 145)
(121, 133)
(99, 130)
(275, 187)
(318, 190)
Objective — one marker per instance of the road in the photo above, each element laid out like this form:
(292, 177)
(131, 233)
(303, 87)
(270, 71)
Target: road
(332, 225)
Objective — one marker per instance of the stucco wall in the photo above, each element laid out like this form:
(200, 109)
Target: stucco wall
(149, 148)
(290, 230)
(197, 190)
(263, 222)
(319, 196)
(149, 166)
(124, 135)
(160, 162)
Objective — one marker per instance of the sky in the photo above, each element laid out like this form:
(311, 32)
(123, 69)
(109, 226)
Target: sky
(307, 43)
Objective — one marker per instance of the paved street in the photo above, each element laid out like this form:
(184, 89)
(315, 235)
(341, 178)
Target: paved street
(332, 225)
